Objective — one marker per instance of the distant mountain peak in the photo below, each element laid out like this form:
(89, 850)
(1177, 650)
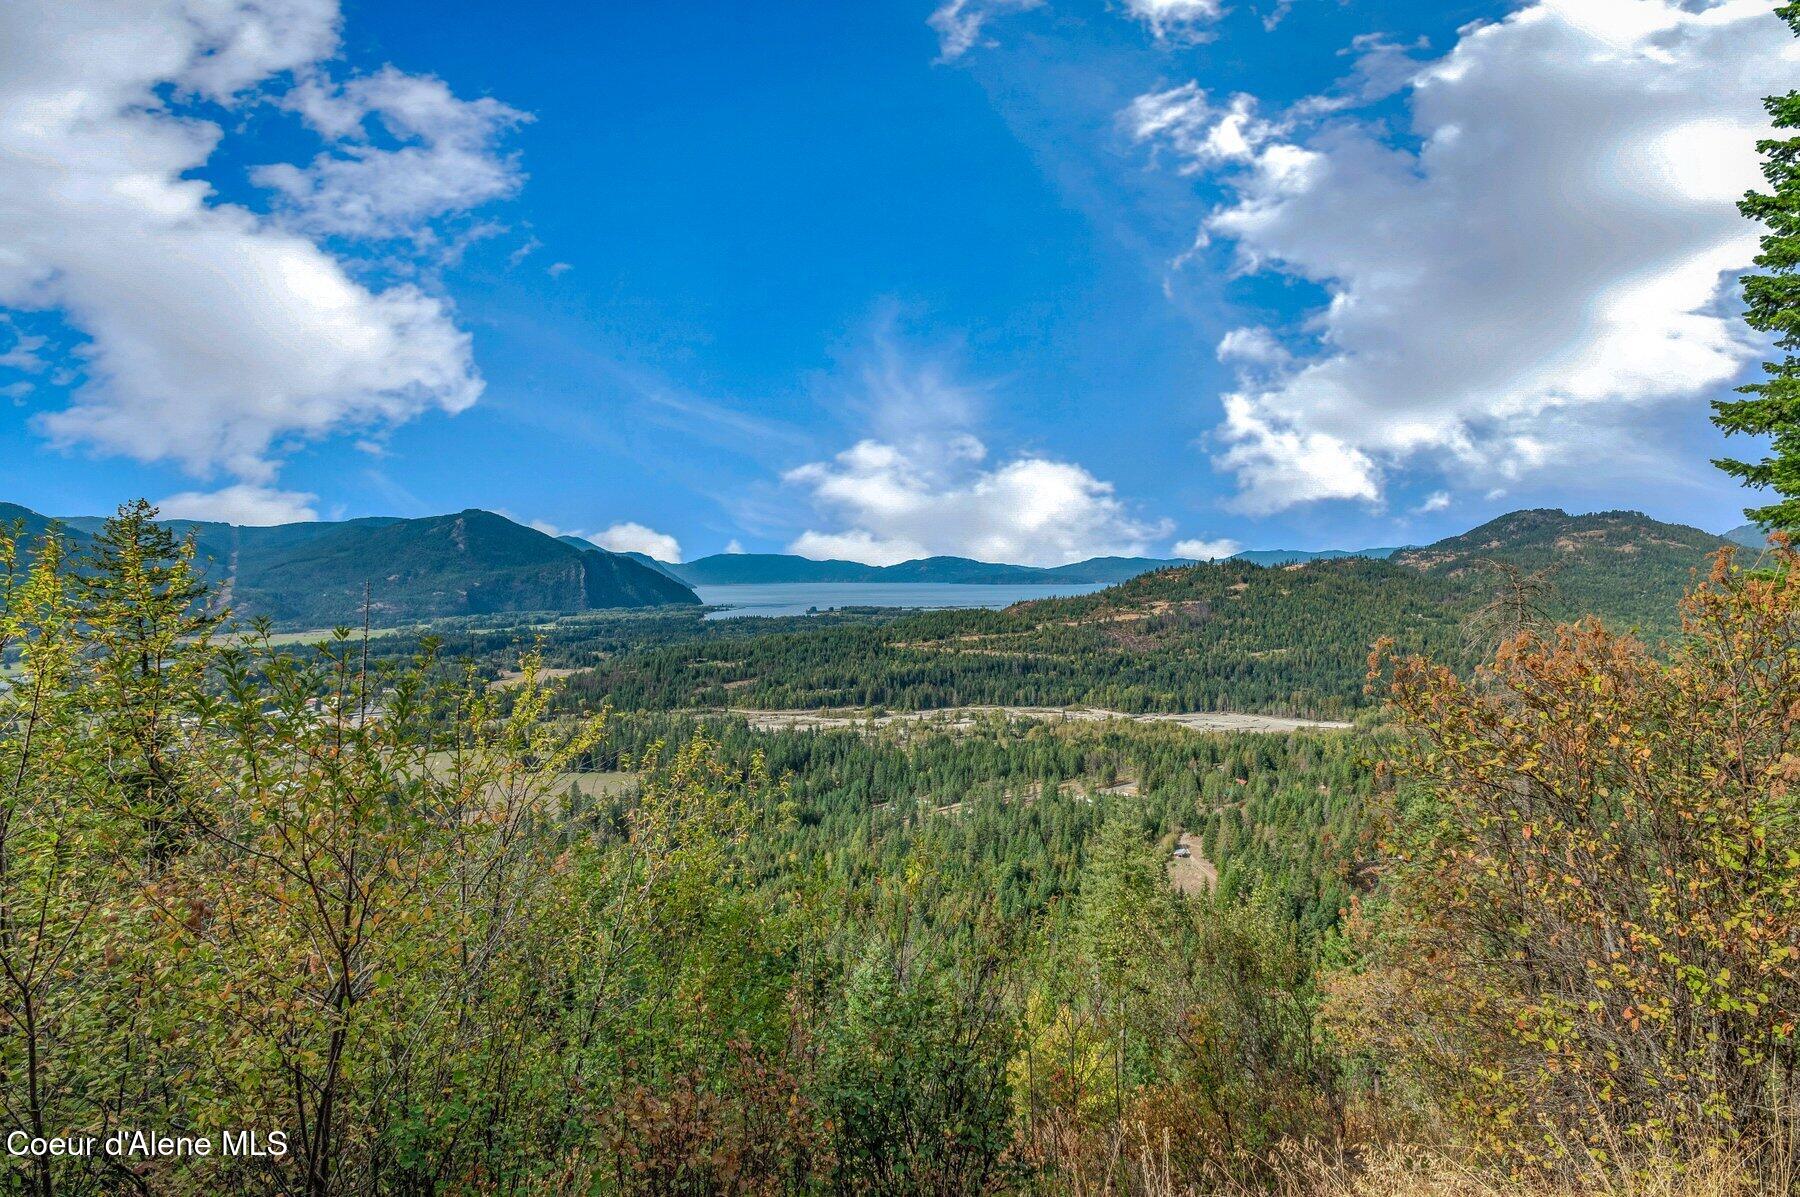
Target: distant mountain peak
(472, 561)
(724, 569)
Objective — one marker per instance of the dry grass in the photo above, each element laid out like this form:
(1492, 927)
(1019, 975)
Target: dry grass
(1400, 1173)
(1403, 1172)
(1145, 1168)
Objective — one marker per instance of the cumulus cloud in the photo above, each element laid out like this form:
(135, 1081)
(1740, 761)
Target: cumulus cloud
(958, 23)
(241, 504)
(1201, 133)
(628, 537)
(920, 483)
(895, 503)
(1181, 20)
(1437, 500)
(217, 337)
(1253, 346)
(1208, 550)
(443, 157)
(1545, 248)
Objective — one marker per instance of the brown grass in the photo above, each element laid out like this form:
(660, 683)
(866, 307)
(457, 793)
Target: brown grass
(1310, 1171)
(1142, 1166)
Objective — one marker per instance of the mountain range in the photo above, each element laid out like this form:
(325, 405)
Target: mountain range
(476, 562)
(470, 563)
(1621, 565)
(736, 569)
(1749, 536)
(741, 569)
(1288, 639)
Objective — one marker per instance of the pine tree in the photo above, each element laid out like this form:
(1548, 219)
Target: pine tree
(1772, 305)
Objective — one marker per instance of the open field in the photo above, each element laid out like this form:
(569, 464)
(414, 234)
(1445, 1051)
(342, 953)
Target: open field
(516, 677)
(599, 784)
(954, 719)
(314, 635)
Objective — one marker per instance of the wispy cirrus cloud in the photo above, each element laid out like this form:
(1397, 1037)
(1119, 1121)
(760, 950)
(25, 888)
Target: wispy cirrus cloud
(959, 23)
(1177, 20)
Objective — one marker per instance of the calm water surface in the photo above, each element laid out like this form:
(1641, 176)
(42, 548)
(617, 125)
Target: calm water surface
(800, 597)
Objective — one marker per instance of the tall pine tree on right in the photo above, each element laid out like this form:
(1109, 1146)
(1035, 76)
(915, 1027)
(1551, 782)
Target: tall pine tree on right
(1772, 305)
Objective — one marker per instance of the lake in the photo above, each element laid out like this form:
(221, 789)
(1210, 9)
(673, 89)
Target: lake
(798, 598)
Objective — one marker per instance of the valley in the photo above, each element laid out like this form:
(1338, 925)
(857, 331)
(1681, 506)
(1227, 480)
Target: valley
(935, 842)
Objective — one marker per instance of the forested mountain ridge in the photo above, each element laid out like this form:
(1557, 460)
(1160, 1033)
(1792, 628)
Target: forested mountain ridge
(1229, 636)
(1751, 536)
(643, 559)
(1537, 536)
(1621, 565)
(1289, 640)
(33, 525)
(469, 563)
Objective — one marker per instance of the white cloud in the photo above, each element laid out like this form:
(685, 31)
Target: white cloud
(217, 338)
(23, 353)
(628, 537)
(919, 483)
(1176, 19)
(735, 547)
(444, 158)
(241, 504)
(958, 23)
(1255, 346)
(1437, 500)
(897, 503)
(1208, 550)
(1202, 135)
(1550, 246)
(1279, 466)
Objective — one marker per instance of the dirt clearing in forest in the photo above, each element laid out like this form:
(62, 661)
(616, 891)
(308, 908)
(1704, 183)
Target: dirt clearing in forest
(1193, 873)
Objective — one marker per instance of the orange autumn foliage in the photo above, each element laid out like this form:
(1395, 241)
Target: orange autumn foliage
(1589, 947)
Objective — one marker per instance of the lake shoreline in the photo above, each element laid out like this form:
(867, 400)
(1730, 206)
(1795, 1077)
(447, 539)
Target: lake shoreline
(742, 600)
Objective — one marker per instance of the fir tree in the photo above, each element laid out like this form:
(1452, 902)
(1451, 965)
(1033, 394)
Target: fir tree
(1772, 305)
(145, 612)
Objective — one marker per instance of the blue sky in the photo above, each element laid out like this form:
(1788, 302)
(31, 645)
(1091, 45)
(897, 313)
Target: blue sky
(872, 280)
